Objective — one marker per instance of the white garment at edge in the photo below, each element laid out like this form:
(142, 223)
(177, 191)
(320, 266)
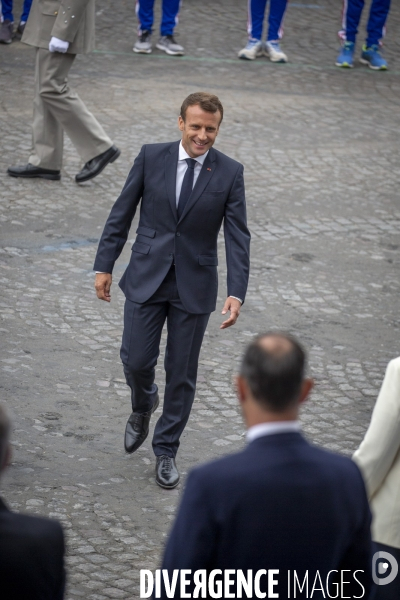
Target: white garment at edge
(379, 459)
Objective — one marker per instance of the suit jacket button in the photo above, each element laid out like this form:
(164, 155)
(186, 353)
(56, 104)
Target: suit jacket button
(56, 12)
(178, 234)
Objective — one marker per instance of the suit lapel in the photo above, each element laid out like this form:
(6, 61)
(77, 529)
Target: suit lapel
(207, 171)
(171, 163)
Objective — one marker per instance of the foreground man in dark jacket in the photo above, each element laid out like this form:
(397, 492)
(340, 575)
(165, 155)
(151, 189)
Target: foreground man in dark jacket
(31, 548)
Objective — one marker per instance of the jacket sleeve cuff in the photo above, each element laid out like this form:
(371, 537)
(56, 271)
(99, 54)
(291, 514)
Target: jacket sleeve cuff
(100, 267)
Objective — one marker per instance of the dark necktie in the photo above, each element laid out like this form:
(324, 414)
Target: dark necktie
(187, 185)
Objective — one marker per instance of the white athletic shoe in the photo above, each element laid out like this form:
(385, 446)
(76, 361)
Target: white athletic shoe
(274, 52)
(253, 49)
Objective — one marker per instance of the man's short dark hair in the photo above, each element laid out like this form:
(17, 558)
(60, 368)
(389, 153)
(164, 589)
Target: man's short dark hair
(274, 375)
(4, 434)
(208, 102)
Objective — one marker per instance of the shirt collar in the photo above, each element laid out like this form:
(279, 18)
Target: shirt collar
(270, 428)
(183, 155)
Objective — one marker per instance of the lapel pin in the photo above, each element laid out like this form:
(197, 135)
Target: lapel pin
(208, 169)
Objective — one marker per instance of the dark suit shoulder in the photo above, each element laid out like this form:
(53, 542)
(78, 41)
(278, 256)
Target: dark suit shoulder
(336, 462)
(270, 452)
(32, 564)
(162, 148)
(212, 471)
(30, 526)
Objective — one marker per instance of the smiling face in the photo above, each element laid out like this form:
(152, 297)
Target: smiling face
(199, 130)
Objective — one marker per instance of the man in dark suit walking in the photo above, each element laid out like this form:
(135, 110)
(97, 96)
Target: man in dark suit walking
(280, 503)
(187, 190)
(31, 548)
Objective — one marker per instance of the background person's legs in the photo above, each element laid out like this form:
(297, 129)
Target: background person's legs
(277, 10)
(376, 22)
(351, 15)
(145, 14)
(7, 22)
(255, 20)
(47, 133)
(65, 107)
(256, 13)
(6, 7)
(25, 11)
(170, 10)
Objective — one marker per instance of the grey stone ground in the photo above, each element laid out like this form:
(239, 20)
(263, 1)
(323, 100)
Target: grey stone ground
(321, 154)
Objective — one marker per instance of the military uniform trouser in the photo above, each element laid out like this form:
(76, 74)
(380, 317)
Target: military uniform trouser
(57, 109)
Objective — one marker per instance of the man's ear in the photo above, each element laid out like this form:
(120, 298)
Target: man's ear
(306, 388)
(241, 388)
(7, 458)
(181, 123)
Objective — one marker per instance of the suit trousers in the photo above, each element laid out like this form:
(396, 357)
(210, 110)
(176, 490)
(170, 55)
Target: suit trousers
(143, 324)
(57, 109)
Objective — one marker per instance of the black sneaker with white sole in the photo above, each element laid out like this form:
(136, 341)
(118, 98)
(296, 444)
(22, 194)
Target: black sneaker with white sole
(143, 45)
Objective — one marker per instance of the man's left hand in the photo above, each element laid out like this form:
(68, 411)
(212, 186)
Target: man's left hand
(233, 305)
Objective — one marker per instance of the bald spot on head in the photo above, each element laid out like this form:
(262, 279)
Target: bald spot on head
(275, 344)
(273, 366)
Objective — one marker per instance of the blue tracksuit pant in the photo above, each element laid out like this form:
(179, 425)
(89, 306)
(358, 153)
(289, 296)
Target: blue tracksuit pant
(7, 7)
(378, 13)
(256, 18)
(145, 13)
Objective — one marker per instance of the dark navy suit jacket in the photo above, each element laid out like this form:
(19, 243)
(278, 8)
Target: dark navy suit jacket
(31, 557)
(191, 242)
(279, 504)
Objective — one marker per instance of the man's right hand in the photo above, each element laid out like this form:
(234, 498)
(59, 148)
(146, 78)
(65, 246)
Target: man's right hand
(103, 285)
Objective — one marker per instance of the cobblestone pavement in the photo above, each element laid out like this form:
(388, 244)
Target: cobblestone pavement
(321, 154)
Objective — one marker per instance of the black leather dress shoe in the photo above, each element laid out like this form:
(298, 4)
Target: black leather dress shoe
(167, 475)
(32, 171)
(95, 166)
(137, 428)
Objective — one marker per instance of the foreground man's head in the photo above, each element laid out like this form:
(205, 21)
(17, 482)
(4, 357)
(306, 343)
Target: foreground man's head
(272, 383)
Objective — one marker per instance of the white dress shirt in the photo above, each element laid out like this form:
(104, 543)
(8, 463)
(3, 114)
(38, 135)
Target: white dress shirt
(182, 167)
(270, 428)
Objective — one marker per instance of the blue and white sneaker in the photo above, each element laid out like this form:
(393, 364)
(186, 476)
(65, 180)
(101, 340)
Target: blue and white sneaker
(346, 56)
(274, 52)
(372, 57)
(253, 49)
